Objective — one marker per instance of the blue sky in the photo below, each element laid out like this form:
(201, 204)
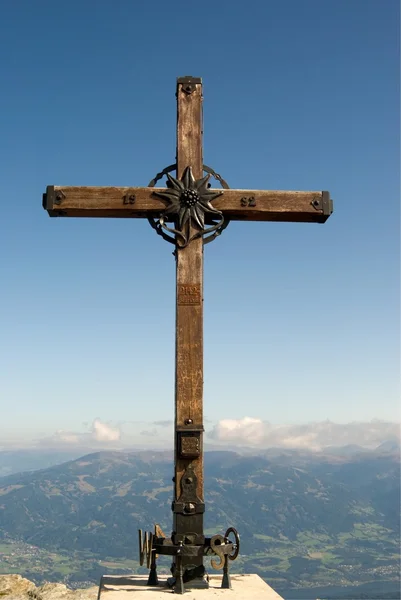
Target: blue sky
(301, 320)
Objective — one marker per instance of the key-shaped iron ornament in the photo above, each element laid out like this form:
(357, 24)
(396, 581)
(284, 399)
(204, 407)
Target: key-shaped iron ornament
(188, 213)
(221, 546)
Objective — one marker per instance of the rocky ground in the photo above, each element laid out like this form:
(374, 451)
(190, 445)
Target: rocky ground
(16, 587)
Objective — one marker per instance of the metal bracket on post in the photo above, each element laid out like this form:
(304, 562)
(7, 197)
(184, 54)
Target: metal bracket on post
(189, 506)
(189, 441)
(188, 83)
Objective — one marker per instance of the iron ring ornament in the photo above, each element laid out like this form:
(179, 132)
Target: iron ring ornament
(236, 543)
(189, 207)
(224, 548)
(220, 546)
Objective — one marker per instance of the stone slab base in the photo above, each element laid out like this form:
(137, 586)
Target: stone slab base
(244, 587)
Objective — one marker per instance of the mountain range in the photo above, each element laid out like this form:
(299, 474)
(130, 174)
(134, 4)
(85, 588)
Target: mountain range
(306, 519)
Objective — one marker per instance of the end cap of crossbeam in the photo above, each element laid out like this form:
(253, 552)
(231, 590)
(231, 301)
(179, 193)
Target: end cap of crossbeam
(51, 201)
(326, 205)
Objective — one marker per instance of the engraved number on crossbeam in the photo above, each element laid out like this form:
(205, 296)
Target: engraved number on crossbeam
(129, 199)
(248, 201)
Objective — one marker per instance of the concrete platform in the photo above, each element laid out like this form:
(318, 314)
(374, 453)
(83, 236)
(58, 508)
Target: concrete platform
(133, 587)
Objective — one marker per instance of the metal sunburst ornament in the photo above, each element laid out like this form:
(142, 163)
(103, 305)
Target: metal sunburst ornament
(189, 204)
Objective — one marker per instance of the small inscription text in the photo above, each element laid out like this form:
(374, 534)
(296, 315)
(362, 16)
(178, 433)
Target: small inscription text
(189, 293)
(190, 446)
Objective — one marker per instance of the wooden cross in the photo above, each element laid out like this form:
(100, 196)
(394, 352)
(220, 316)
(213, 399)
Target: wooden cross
(188, 213)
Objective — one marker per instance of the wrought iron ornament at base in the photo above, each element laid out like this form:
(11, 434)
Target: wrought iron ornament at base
(189, 208)
(220, 546)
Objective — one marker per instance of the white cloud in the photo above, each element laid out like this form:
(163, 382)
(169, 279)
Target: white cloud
(307, 441)
(254, 432)
(248, 431)
(66, 437)
(102, 432)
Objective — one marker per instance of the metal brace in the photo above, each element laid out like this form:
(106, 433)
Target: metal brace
(323, 203)
(188, 83)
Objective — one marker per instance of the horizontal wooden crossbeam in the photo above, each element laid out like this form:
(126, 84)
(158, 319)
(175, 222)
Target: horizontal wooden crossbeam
(137, 202)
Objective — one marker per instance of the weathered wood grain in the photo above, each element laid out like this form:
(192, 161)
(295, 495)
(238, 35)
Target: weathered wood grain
(239, 205)
(189, 317)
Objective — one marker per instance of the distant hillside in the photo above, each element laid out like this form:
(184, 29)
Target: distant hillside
(32, 459)
(17, 461)
(305, 522)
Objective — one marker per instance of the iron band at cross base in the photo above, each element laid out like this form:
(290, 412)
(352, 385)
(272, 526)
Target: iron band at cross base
(188, 507)
(151, 545)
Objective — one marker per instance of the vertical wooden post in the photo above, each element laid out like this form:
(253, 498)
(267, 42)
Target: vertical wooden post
(188, 527)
